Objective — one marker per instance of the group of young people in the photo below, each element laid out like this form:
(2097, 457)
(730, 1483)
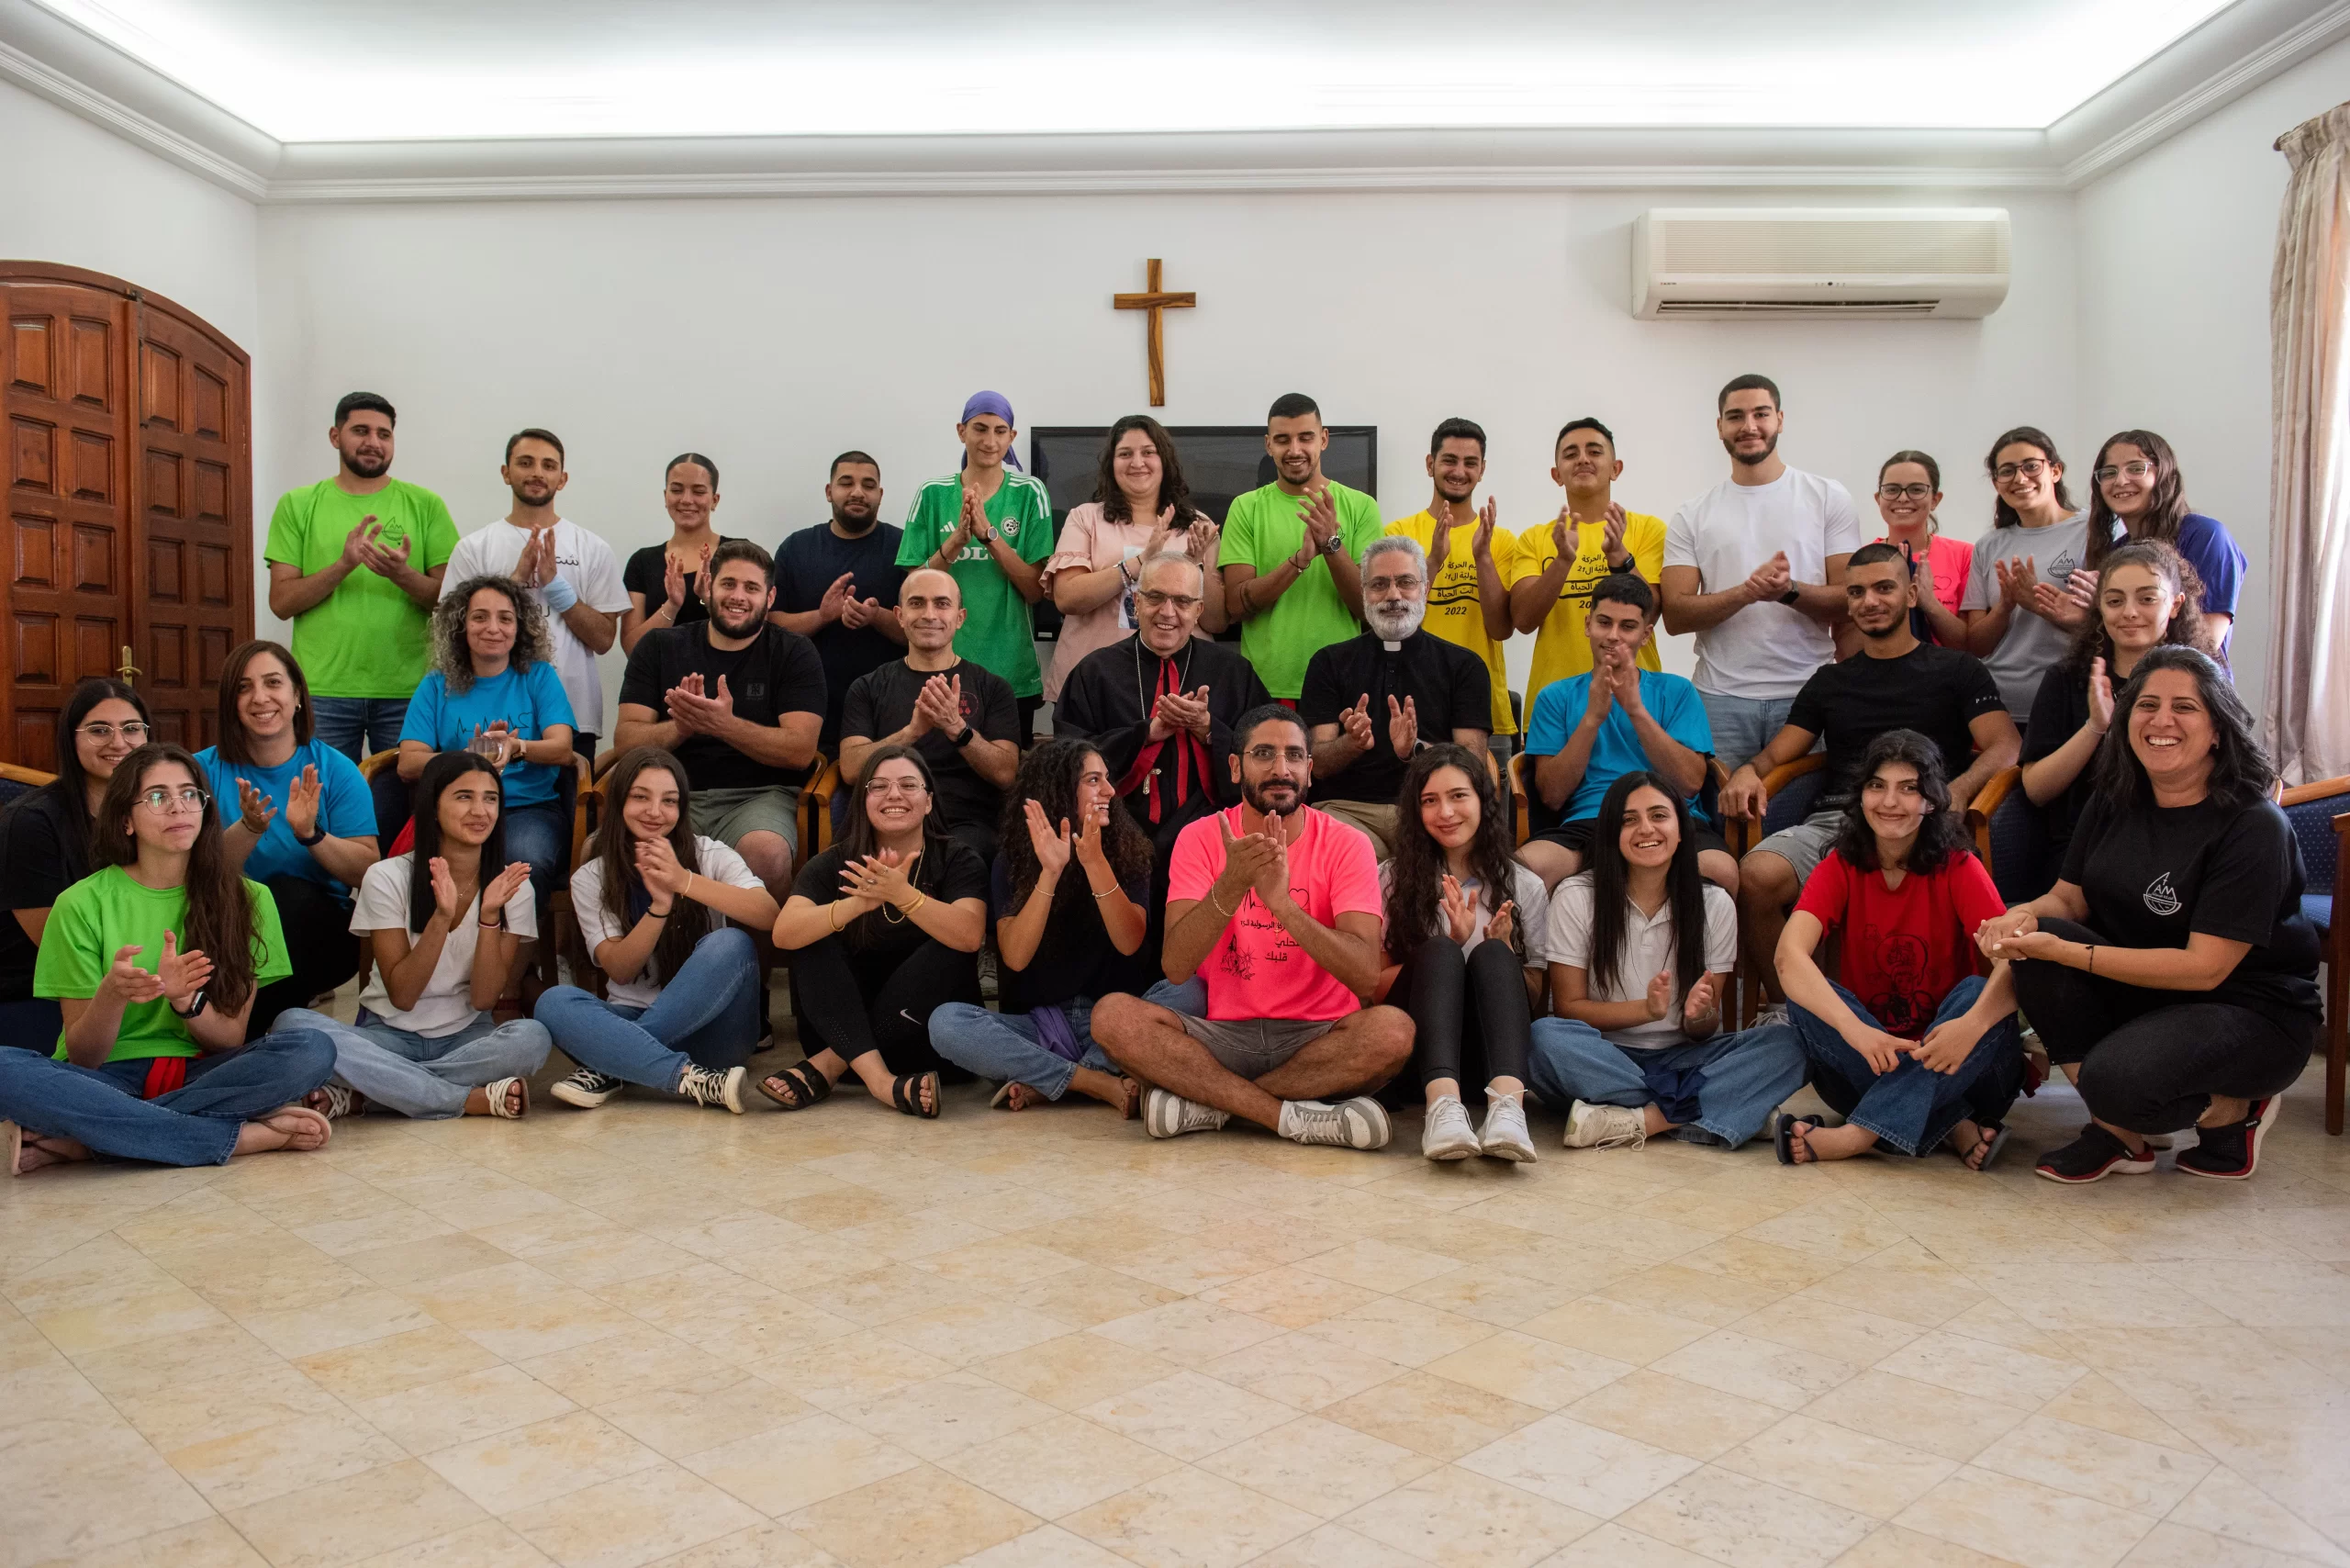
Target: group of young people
(1274, 876)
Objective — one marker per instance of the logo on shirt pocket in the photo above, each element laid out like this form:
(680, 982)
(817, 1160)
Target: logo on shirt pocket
(757, 688)
(2161, 897)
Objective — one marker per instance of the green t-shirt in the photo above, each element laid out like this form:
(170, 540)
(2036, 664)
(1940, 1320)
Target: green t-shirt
(998, 633)
(102, 913)
(367, 638)
(1263, 528)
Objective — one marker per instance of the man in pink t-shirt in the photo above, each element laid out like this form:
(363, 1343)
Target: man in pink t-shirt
(1276, 907)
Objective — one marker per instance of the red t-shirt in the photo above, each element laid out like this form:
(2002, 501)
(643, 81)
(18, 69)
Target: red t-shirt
(1904, 947)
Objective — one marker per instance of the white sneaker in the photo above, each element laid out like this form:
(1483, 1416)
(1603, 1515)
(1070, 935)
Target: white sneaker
(707, 1086)
(588, 1087)
(1359, 1123)
(1503, 1136)
(1165, 1114)
(1446, 1133)
(1606, 1127)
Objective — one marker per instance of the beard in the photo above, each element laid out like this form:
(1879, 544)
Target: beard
(1254, 795)
(749, 624)
(1396, 623)
(524, 498)
(1750, 459)
(366, 467)
(850, 522)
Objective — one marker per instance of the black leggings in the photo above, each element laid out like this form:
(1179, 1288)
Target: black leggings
(2151, 1060)
(850, 1001)
(318, 944)
(1471, 1018)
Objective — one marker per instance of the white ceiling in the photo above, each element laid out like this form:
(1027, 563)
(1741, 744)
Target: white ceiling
(428, 70)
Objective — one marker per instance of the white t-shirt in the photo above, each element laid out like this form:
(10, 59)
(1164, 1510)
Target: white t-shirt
(1532, 916)
(581, 559)
(718, 863)
(447, 1003)
(1648, 951)
(1765, 651)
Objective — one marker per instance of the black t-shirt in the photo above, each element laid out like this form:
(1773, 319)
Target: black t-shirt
(882, 702)
(1450, 689)
(1936, 691)
(2057, 714)
(1076, 956)
(961, 874)
(40, 856)
(2155, 874)
(778, 673)
(810, 561)
(644, 572)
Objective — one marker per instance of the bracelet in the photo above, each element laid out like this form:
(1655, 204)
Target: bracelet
(491, 925)
(1217, 907)
(1113, 888)
(658, 913)
(836, 914)
(919, 899)
(2091, 964)
(689, 890)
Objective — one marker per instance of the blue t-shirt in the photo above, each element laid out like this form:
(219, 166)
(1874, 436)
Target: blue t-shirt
(529, 699)
(1673, 701)
(345, 810)
(2212, 551)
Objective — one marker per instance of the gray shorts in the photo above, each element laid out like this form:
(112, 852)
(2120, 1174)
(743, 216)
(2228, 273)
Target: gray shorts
(1806, 844)
(1252, 1047)
(727, 815)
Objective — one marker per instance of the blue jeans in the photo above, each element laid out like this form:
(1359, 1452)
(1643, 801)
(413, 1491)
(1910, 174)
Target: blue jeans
(1913, 1107)
(197, 1124)
(427, 1078)
(1003, 1045)
(1735, 1080)
(1743, 725)
(706, 1015)
(359, 726)
(539, 835)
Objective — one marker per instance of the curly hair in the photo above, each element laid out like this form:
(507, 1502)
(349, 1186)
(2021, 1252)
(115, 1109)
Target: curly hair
(1415, 872)
(2240, 771)
(450, 655)
(615, 850)
(2172, 570)
(1048, 776)
(1941, 834)
(1611, 892)
(220, 922)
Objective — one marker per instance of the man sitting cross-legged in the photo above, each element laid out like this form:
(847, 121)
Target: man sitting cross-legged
(1276, 907)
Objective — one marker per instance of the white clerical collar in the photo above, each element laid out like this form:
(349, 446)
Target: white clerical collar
(1390, 647)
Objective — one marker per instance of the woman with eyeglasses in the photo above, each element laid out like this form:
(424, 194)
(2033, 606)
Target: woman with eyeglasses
(45, 842)
(2022, 579)
(154, 961)
(1908, 493)
(299, 820)
(2141, 496)
(883, 928)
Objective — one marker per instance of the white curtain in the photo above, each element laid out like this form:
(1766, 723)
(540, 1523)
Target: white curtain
(2308, 518)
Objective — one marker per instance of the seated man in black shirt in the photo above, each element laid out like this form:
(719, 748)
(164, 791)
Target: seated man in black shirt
(1893, 682)
(837, 584)
(1369, 701)
(739, 701)
(961, 718)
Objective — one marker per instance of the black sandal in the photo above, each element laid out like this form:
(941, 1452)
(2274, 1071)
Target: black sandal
(814, 1088)
(1993, 1140)
(910, 1104)
(1782, 1135)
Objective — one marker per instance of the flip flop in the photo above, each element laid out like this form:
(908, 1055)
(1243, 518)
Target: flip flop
(1782, 1135)
(1003, 1101)
(12, 1144)
(813, 1087)
(910, 1102)
(1997, 1141)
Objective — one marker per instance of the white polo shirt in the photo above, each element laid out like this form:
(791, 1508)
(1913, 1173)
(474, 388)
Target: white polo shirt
(1648, 952)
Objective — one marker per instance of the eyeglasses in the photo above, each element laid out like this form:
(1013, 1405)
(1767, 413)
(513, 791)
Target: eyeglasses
(1264, 753)
(134, 732)
(1905, 492)
(2029, 468)
(2137, 468)
(880, 786)
(1151, 599)
(164, 803)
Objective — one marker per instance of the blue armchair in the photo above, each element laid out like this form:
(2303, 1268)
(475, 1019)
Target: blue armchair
(2320, 813)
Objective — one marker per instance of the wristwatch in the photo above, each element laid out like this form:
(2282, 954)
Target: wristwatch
(1792, 596)
(964, 739)
(197, 1000)
(317, 833)
(1329, 546)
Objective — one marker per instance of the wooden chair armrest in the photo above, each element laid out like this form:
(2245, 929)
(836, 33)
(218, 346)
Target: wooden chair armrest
(1787, 773)
(2318, 790)
(1986, 804)
(1520, 808)
(816, 809)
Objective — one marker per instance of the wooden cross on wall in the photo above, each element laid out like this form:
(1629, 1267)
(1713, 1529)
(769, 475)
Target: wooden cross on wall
(1155, 300)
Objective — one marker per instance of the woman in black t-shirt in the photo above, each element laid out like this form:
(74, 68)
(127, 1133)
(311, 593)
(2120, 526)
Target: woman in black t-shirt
(2172, 961)
(664, 581)
(882, 928)
(1073, 888)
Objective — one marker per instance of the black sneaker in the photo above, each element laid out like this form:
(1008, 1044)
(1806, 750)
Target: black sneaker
(2229, 1153)
(588, 1087)
(2092, 1156)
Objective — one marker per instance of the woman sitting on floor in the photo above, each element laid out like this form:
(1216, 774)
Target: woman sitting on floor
(1916, 1049)
(1073, 886)
(883, 927)
(445, 923)
(681, 1004)
(152, 1062)
(1642, 944)
(2172, 961)
(1466, 933)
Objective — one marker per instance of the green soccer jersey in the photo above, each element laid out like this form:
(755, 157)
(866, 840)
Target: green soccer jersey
(108, 910)
(1263, 528)
(998, 633)
(367, 638)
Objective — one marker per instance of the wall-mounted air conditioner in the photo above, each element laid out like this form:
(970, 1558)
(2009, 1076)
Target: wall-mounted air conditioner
(1856, 263)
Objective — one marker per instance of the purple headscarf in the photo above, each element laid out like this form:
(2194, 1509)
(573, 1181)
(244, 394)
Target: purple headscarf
(994, 403)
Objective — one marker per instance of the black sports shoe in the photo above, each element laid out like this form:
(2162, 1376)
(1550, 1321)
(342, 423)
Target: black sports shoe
(2092, 1156)
(2229, 1153)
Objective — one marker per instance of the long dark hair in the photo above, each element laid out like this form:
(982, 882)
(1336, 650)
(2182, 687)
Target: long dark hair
(232, 745)
(2002, 514)
(220, 922)
(2172, 569)
(70, 787)
(2240, 771)
(625, 897)
(2166, 505)
(1941, 834)
(1611, 892)
(445, 768)
(1173, 489)
(863, 839)
(453, 658)
(1048, 776)
(1416, 874)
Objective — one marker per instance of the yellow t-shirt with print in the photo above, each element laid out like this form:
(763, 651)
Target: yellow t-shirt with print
(1455, 612)
(1561, 646)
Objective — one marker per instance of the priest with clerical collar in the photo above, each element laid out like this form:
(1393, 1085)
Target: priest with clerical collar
(1372, 702)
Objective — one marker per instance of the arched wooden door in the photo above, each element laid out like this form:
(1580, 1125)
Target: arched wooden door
(130, 509)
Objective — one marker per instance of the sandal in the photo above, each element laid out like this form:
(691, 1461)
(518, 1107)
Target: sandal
(1782, 1135)
(1994, 1139)
(497, 1094)
(336, 1100)
(910, 1102)
(809, 1085)
(1002, 1100)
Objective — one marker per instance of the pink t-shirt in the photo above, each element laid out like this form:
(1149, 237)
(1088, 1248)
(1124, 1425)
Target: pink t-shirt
(1257, 969)
(1950, 560)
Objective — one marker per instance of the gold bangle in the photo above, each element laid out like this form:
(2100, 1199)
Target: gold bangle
(919, 899)
(836, 914)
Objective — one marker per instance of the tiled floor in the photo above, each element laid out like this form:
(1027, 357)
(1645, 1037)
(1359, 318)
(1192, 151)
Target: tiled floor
(651, 1334)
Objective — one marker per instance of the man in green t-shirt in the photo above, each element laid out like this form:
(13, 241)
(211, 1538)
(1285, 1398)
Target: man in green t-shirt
(356, 563)
(992, 531)
(1292, 550)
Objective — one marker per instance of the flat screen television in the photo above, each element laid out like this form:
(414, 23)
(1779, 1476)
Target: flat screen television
(1219, 462)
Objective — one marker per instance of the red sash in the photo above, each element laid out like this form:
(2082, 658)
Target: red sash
(1189, 754)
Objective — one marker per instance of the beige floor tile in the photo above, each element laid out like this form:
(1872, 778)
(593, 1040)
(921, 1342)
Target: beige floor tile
(1697, 1295)
(633, 1519)
(1299, 1370)
(375, 1369)
(815, 1458)
(1457, 1519)
(2090, 1463)
(1318, 1465)
(1189, 1332)
(85, 1505)
(547, 1459)
(1058, 1466)
(408, 1264)
(1890, 1546)
(1612, 1546)
(2036, 1525)
(877, 1297)
(357, 1518)
(473, 1405)
(208, 1543)
(1756, 1369)
(486, 1545)
(1188, 1415)
(1835, 1464)
(1432, 1416)
(1672, 1414)
(1378, 1265)
(1188, 1519)
(1289, 1296)
(2095, 1402)
(1401, 1331)
(1075, 1370)
(1614, 1329)
(224, 1406)
(2224, 1504)
(1917, 1415)
(1532, 1371)
(761, 1546)
(1084, 1296)
(847, 1370)
(1503, 1300)
(1737, 1519)
(973, 1329)
(996, 1265)
(947, 1414)
(1841, 1333)
(1587, 1468)
(919, 1518)
(677, 1422)
(642, 1359)
(1981, 1370)
(1047, 1547)
(255, 1465)
(358, 1318)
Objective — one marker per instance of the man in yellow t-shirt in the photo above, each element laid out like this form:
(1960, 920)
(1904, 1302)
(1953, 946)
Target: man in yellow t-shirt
(1550, 592)
(1470, 561)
